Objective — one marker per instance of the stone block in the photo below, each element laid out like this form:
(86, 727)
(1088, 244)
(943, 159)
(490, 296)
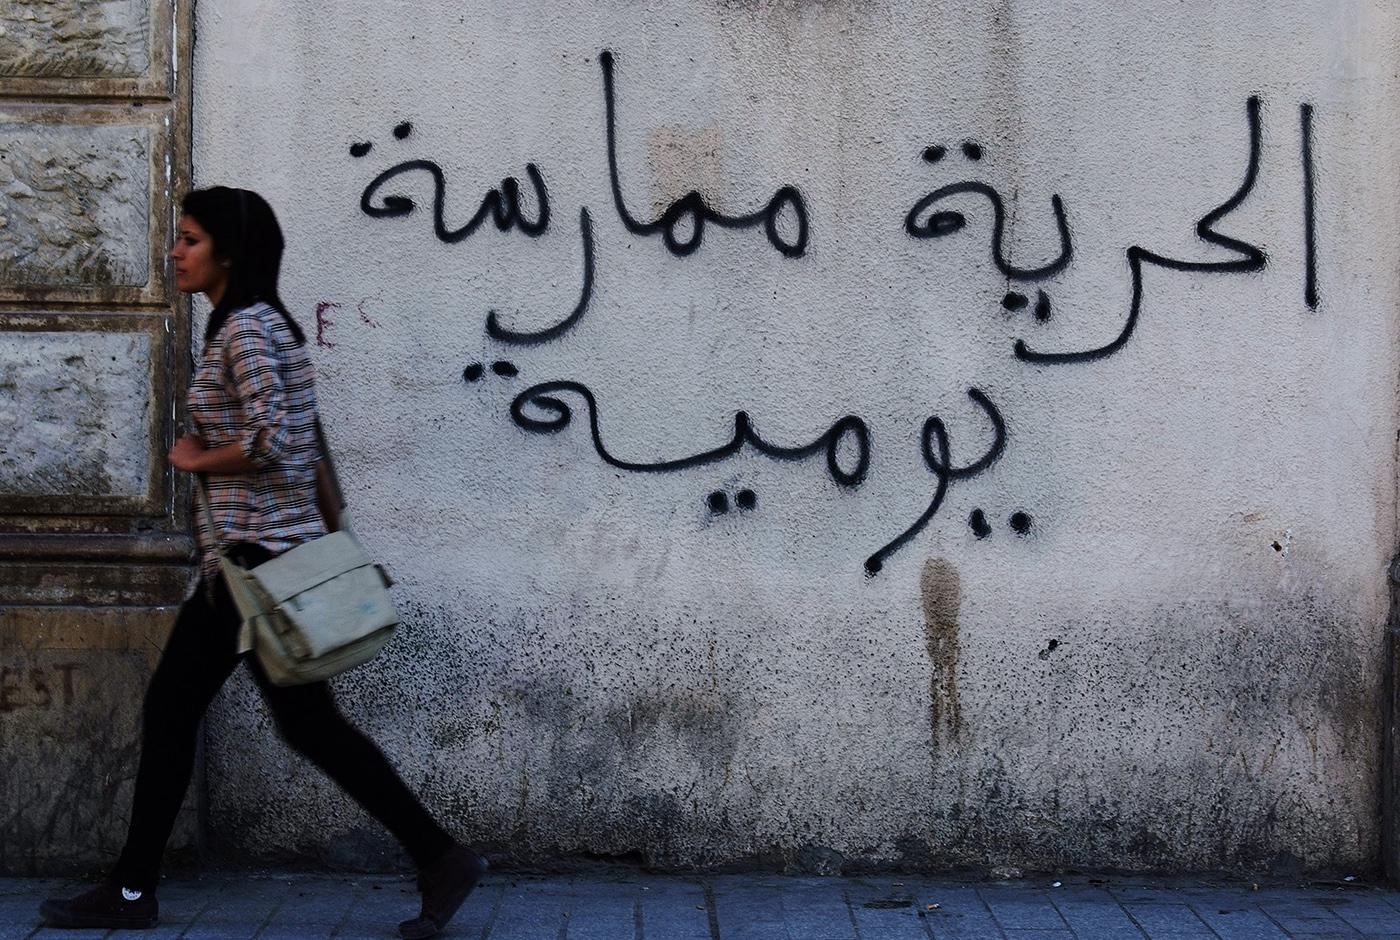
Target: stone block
(75, 205)
(75, 39)
(82, 411)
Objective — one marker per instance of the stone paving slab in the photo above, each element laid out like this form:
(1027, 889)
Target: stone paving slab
(634, 906)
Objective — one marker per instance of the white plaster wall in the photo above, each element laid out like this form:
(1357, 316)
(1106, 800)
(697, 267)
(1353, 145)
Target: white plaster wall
(1178, 665)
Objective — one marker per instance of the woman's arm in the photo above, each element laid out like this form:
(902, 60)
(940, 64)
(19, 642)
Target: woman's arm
(189, 453)
(253, 368)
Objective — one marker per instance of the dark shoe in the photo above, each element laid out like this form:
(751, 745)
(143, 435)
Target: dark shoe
(106, 905)
(445, 884)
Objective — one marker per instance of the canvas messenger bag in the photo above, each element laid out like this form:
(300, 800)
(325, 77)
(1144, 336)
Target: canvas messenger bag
(313, 611)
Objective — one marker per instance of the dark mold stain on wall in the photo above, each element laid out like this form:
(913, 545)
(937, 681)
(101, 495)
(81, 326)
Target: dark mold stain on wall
(940, 587)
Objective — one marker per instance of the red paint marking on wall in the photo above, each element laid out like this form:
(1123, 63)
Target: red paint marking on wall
(365, 318)
(36, 688)
(324, 323)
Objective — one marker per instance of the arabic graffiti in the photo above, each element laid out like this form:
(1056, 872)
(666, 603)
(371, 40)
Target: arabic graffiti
(946, 222)
(692, 207)
(1251, 258)
(1305, 120)
(847, 444)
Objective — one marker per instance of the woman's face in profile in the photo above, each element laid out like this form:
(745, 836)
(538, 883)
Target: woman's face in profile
(197, 271)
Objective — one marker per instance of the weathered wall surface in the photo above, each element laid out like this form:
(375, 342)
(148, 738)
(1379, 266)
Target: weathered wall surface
(70, 725)
(915, 433)
(93, 540)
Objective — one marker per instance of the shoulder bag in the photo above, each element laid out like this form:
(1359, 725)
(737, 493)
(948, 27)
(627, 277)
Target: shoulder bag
(316, 610)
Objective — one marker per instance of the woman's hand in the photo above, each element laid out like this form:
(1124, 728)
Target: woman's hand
(187, 453)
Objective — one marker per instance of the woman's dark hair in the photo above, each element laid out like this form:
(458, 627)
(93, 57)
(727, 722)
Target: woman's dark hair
(247, 237)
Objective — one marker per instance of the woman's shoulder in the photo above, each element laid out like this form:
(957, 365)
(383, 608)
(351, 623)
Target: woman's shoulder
(255, 314)
(266, 321)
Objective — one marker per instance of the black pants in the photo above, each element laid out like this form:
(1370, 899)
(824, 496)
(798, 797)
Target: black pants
(197, 659)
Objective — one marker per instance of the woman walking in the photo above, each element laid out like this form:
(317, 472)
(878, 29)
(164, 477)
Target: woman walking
(252, 399)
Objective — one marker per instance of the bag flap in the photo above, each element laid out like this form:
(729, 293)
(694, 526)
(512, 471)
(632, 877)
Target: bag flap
(310, 564)
(339, 612)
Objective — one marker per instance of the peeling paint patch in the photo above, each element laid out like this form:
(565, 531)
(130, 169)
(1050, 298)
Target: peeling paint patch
(682, 160)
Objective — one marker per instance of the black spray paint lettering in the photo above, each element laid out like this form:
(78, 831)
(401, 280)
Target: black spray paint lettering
(503, 207)
(1305, 120)
(718, 501)
(540, 409)
(977, 522)
(1249, 258)
(533, 338)
(937, 453)
(557, 415)
(1019, 522)
(506, 370)
(691, 209)
(553, 414)
(945, 222)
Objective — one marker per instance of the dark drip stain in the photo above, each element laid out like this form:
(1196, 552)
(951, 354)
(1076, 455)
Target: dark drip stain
(940, 587)
(403, 130)
(359, 150)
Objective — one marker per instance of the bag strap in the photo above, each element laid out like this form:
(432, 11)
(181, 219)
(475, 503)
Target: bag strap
(330, 469)
(201, 493)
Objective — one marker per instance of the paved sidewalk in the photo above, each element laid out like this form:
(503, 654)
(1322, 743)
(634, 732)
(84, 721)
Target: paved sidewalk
(633, 906)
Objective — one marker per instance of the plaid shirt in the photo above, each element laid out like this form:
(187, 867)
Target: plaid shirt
(255, 387)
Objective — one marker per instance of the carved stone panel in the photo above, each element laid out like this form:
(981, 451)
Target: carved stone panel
(76, 39)
(77, 202)
(85, 47)
(84, 408)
